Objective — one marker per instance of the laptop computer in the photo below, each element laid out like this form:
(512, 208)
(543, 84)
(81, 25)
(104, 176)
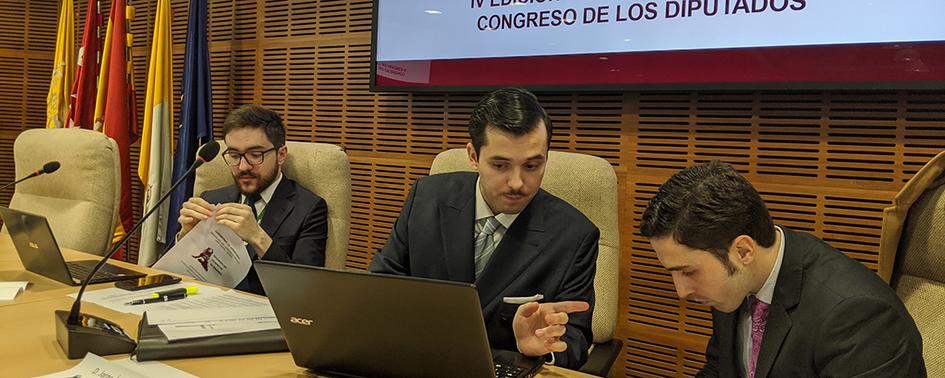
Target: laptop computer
(40, 253)
(363, 324)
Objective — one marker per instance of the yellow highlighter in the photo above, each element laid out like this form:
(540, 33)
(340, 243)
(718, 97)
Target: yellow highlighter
(167, 295)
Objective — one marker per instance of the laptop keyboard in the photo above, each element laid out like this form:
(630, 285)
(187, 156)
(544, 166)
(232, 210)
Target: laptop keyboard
(80, 272)
(509, 371)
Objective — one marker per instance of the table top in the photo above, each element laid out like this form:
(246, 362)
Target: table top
(29, 346)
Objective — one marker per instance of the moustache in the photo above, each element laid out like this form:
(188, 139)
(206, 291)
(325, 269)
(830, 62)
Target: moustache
(514, 193)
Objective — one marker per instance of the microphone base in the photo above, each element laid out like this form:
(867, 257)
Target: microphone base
(91, 334)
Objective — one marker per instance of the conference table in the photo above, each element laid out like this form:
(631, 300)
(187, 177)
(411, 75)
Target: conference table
(28, 345)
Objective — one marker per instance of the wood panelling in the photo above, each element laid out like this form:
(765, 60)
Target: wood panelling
(826, 162)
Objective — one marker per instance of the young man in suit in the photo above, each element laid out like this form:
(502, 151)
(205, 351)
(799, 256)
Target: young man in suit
(278, 219)
(784, 303)
(498, 229)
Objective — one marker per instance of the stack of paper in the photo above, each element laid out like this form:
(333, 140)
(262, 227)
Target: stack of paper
(10, 289)
(180, 324)
(117, 299)
(95, 366)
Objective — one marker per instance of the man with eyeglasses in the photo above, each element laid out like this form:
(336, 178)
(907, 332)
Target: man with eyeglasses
(278, 219)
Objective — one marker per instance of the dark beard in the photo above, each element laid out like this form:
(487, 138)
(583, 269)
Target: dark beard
(262, 183)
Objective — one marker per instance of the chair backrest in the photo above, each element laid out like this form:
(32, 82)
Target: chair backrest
(81, 199)
(567, 176)
(319, 167)
(914, 232)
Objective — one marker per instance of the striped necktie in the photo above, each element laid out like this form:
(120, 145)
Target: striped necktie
(485, 242)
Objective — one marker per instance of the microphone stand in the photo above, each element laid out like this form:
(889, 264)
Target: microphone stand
(79, 333)
(47, 168)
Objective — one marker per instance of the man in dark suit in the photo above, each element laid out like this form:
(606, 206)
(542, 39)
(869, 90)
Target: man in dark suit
(498, 229)
(784, 303)
(278, 219)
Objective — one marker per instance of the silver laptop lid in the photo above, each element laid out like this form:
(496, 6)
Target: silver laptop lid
(36, 245)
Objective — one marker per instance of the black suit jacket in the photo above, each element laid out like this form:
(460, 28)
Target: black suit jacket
(830, 317)
(296, 220)
(550, 249)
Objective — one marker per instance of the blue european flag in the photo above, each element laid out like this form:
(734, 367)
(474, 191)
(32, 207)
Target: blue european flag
(196, 114)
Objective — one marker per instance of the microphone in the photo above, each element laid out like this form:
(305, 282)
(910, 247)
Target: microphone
(79, 333)
(49, 167)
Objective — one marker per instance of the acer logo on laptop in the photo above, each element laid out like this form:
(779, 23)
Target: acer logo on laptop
(34, 245)
(300, 321)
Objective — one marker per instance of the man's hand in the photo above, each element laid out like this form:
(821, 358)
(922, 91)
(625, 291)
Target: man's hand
(192, 212)
(239, 218)
(538, 327)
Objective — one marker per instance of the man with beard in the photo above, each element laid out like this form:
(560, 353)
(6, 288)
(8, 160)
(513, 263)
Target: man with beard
(278, 219)
(531, 255)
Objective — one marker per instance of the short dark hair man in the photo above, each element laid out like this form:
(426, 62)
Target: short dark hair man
(784, 303)
(277, 218)
(498, 229)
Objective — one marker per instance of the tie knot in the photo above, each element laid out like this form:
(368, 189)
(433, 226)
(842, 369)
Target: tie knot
(759, 308)
(490, 225)
(251, 199)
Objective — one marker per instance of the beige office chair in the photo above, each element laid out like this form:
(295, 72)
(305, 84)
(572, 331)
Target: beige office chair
(566, 176)
(319, 167)
(914, 234)
(81, 199)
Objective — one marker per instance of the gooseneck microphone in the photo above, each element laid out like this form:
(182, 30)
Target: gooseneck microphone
(79, 333)
(49, 167)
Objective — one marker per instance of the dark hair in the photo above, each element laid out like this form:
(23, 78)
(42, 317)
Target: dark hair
(706, 207)
(256, 117)
(512, 110)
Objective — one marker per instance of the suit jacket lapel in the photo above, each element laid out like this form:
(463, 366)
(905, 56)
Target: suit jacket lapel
(456, 228)
(787, 293)
(729, 360)
(521, 244)
(279, 206)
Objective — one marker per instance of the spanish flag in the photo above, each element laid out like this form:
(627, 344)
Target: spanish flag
(115, 105)
(82, 101)
(154, 166)
(63, 74)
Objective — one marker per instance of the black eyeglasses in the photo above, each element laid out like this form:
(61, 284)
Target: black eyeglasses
(232, 158)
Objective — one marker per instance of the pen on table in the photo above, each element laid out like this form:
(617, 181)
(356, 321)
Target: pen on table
(170, 295)
(189, 290)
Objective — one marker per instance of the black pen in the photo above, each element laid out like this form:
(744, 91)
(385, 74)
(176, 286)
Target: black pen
(163, 298)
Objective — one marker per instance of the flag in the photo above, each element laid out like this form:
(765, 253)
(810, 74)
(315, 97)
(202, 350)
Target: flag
(154, 165)
(63, 73)
(115, 106)
(82, 99)
(195, 110)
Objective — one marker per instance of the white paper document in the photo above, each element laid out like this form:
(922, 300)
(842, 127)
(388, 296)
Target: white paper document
(210, 253)
(95, 366)
(178, 324)
(207, 297)
(10, 289)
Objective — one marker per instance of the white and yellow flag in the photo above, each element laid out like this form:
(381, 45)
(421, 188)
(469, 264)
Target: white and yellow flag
(63, 74)
(154, 167)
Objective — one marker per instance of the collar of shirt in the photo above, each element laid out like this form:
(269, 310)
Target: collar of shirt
(266, 194)
(766, 294)
(483, 210)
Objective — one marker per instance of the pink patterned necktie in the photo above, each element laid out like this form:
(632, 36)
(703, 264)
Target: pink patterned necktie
(759, 317)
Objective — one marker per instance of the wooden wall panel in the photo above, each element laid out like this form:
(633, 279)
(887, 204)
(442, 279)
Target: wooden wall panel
(826, 162)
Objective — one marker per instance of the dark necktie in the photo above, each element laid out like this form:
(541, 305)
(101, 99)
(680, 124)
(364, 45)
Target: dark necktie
(250, 201)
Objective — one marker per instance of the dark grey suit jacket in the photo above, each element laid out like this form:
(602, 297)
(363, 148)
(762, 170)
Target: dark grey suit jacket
(296, 220)
(550, 249)
(830, 317)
